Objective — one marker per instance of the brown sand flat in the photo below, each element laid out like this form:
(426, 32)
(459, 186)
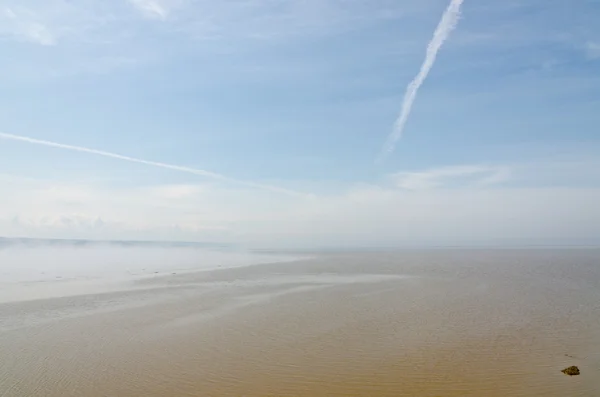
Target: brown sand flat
(439, 323)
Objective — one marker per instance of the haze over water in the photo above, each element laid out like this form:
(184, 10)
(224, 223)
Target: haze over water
(409, 323)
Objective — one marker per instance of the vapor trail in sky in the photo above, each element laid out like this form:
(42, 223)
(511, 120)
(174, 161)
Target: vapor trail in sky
(173, 167)
(441, 34)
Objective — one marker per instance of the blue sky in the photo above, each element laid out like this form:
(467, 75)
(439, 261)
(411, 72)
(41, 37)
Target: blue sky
(296, 100)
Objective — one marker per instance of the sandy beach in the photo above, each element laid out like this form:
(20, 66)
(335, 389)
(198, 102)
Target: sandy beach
(410, 323)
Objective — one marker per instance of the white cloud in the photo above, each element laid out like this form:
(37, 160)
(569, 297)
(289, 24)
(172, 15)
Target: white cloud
(592, 50)
(51, 21)
(450, 205)
(71, 222)
(151, 8)
(451, 176)
(23, 24)
(40, 34)
(443, 217)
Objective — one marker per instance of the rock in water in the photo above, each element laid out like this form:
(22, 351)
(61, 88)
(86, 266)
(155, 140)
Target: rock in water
(571, 371)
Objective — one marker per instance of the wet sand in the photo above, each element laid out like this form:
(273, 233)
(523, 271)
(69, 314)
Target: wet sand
(413, 323)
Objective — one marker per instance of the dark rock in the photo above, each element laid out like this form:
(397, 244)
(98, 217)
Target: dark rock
(571, 371)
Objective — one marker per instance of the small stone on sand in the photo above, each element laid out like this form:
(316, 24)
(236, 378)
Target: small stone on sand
(571, 371)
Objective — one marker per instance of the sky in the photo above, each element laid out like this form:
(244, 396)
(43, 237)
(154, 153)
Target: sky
(261, 122)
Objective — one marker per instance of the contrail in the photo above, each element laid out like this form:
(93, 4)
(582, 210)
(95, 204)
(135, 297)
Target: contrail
(441, 34)
(173, 167)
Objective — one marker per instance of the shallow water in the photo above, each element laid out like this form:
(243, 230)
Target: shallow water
(414, 323)
(29, 272)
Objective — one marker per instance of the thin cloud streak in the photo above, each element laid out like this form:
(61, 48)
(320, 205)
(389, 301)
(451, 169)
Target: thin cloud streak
(441, 34)
(457, 176)
(173, 167)
(150, 8)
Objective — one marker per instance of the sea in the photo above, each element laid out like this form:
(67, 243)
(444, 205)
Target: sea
(113, 319)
